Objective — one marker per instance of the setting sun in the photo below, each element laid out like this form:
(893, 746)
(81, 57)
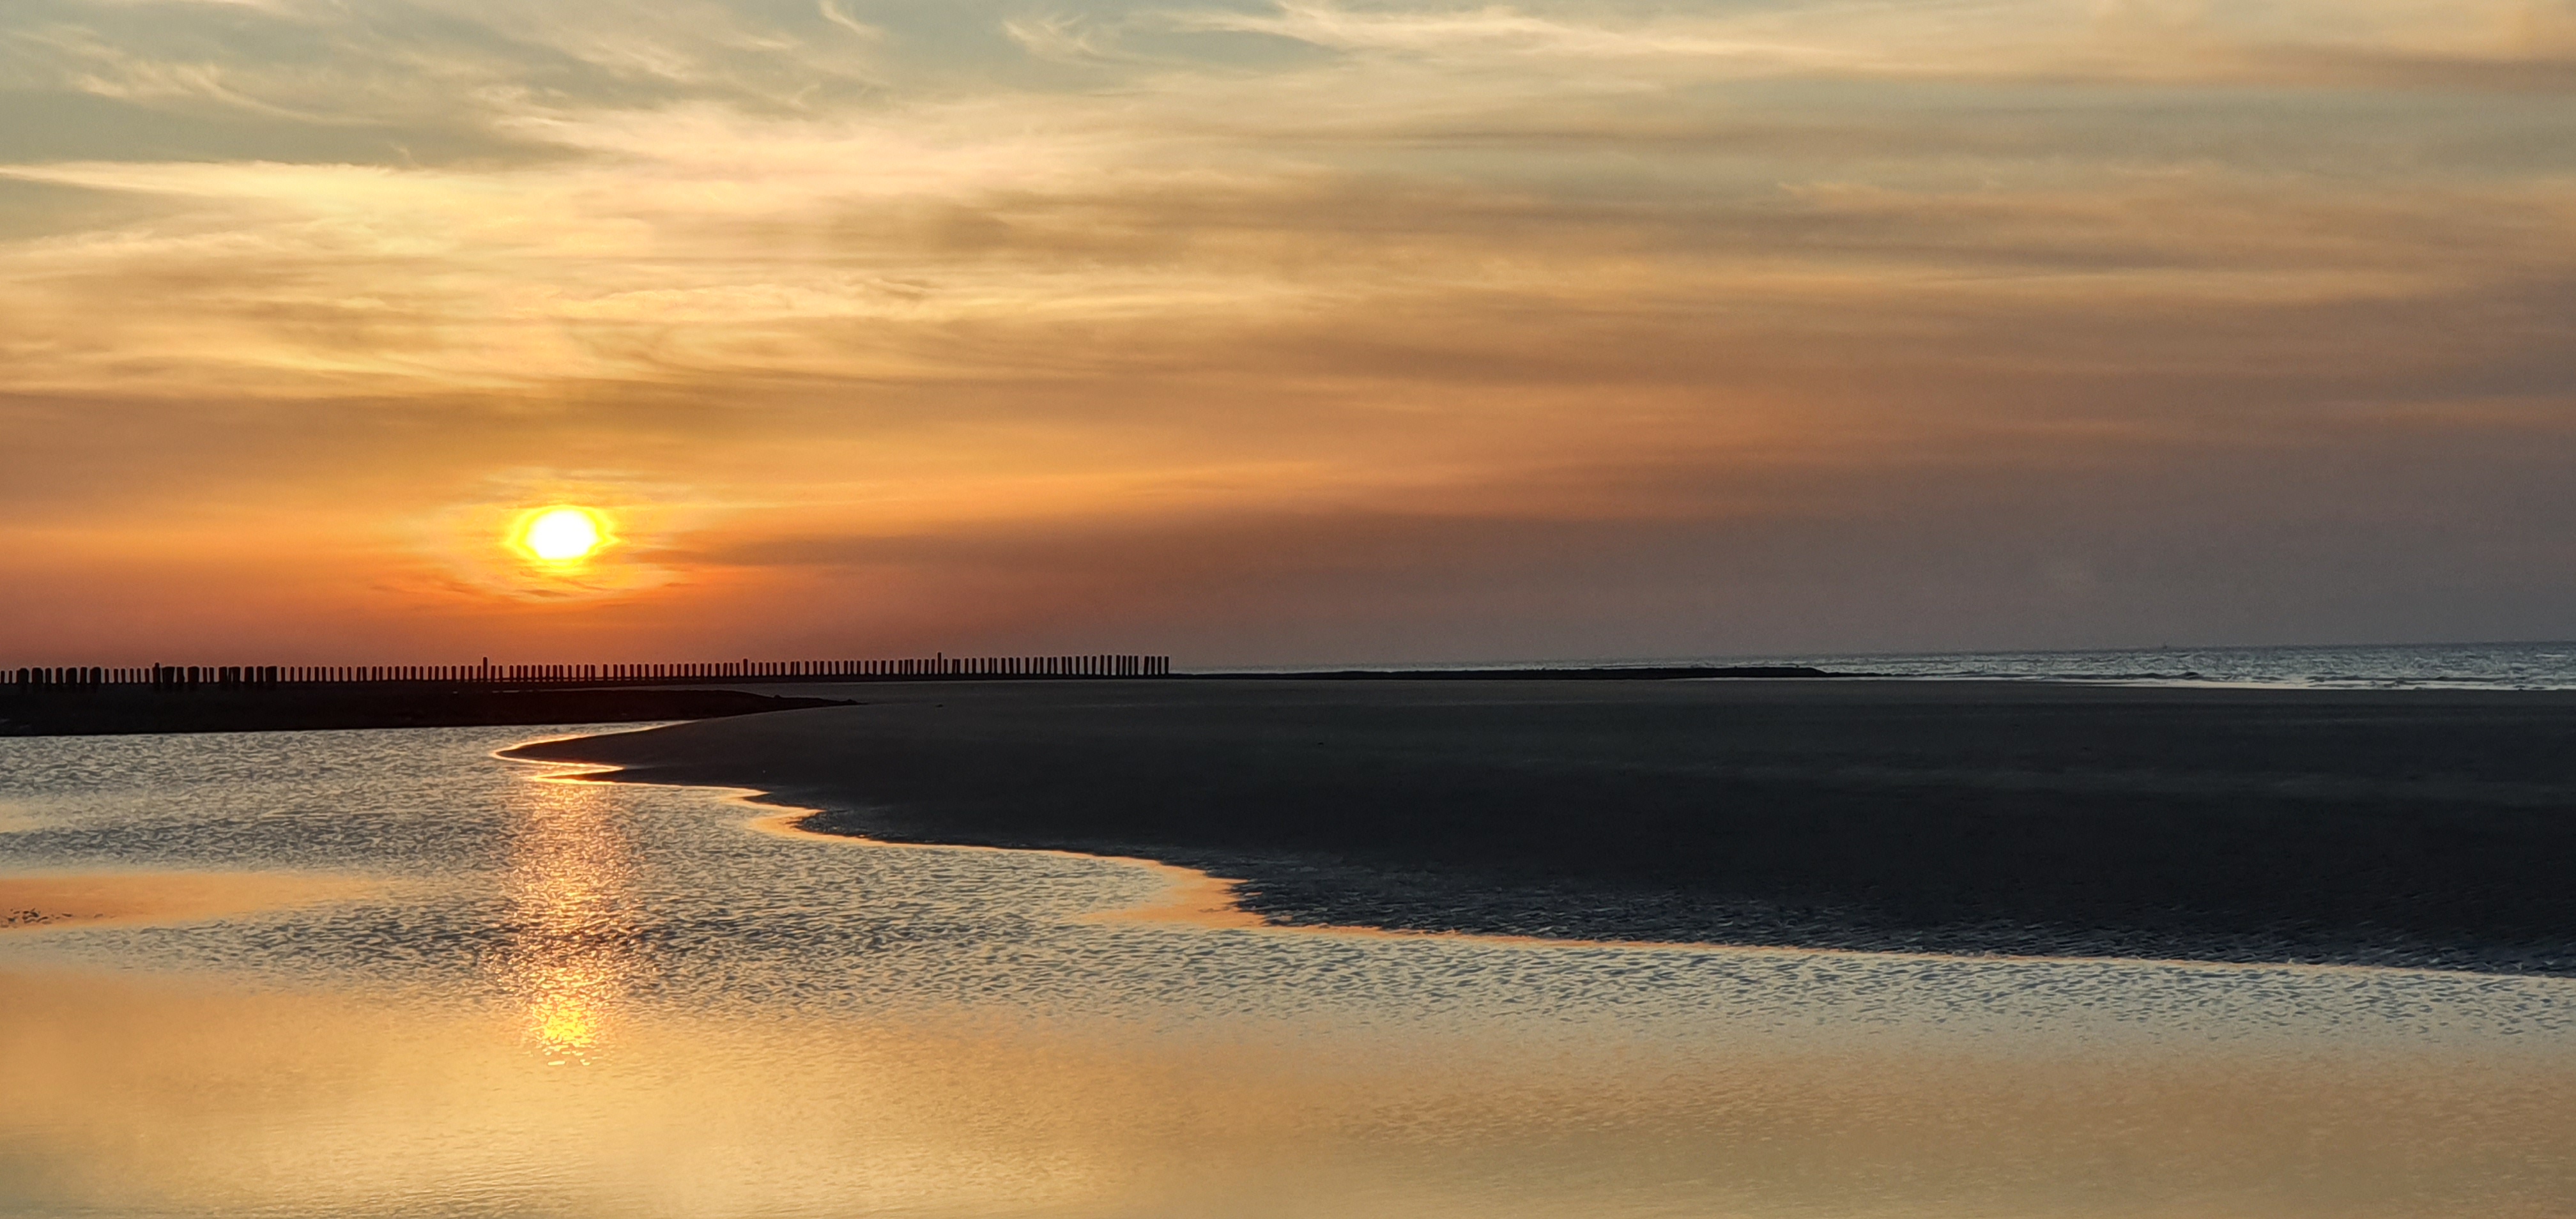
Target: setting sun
(563, 535)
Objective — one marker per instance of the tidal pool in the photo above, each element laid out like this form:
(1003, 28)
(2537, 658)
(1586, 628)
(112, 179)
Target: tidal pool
(387, 973)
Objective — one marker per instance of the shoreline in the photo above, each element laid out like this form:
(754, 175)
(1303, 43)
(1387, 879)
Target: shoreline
(2410, 830)
(1199, 898)
(1191, 896)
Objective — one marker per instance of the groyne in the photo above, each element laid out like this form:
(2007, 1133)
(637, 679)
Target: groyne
(487, 674)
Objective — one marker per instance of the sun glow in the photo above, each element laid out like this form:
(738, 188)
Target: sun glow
(563, 535)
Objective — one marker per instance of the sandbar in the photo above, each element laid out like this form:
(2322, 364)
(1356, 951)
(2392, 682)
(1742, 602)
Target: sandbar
(2419, 828)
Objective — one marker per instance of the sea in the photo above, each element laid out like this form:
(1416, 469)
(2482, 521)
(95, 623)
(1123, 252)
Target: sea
(396, 973)
(2464, 666)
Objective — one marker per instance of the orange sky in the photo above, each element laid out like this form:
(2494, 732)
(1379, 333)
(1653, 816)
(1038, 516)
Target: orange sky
(1282, 333)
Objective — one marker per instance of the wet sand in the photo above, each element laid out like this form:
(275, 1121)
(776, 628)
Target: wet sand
(2422, 828)
(33, 903)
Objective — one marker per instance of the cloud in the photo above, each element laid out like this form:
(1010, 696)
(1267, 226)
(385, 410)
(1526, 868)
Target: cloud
(1468, 34)
(1468, 290)
(832, 12)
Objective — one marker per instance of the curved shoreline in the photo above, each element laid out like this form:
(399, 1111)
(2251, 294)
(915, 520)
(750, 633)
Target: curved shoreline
(1190, 896)
(1194, 897)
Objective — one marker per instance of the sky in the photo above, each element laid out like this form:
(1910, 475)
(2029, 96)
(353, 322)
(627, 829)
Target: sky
(1282, 333)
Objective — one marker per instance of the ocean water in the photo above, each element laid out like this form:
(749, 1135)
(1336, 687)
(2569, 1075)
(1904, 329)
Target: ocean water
(2469, 666)
(390, 973)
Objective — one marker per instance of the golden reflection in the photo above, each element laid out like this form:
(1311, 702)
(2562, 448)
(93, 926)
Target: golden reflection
(126, 1096)
(572, 917)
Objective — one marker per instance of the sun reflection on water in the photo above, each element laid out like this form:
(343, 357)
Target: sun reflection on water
(573, 917)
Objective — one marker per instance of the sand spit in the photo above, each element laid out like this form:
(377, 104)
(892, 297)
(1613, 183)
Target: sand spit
(2400, 828)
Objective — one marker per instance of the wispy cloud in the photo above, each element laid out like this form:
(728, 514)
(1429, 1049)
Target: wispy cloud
(1491, 32)
(832, 12)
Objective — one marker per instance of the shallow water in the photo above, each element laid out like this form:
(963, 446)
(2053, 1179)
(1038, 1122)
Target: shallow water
(495, 993)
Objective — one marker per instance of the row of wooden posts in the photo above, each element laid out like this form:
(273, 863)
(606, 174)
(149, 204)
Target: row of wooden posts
(487, 673)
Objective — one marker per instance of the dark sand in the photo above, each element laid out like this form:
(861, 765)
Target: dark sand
(97, 710)
(2403, 827)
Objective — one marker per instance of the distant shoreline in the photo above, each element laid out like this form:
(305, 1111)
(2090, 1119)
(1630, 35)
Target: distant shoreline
(1571, 673)
(119, 709)
(2414, 828)
(130, 709)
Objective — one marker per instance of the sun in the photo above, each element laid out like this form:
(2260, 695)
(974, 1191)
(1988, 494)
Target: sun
(563, 534)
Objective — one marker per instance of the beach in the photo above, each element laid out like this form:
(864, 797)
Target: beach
(2421, 828)
(399, 972)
